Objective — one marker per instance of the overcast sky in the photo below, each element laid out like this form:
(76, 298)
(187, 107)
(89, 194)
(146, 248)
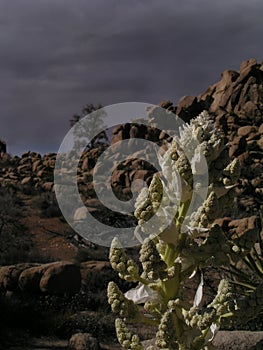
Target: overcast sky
(58, 55)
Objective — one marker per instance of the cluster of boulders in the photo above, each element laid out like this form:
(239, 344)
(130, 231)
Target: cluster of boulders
(31, 170)
(57, 277)
(235, 103)
(51, 278)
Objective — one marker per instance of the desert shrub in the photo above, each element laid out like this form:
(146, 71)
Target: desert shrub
(15, 242)
(49, 205)
(82, 255)
(98, 324)
(91, 253)
(28, 189)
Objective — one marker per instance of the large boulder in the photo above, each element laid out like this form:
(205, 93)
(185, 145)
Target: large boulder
(29, 279)
(61, 277)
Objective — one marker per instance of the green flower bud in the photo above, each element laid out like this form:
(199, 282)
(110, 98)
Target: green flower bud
(153, 266)
(125, 338)
(223, 302)
(207, 213)
(120, 304)
(127, 268)
(166, 337)
(184, 168)
(232, 172)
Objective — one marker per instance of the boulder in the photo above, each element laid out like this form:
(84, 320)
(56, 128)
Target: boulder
(80, 214)
(245, 231)
(26, 180)
(61, 277)
(189, 107)
(30, 278)
(246, 130)
(90, 267)
(9, 276)
(237, 146)
(83, 341)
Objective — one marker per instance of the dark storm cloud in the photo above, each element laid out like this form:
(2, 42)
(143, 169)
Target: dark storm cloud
(56, 56)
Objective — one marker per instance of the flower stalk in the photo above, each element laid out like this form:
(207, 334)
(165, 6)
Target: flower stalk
(171, 257)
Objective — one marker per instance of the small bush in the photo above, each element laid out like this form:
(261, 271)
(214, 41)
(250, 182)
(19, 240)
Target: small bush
(15, 242)
(49, 205)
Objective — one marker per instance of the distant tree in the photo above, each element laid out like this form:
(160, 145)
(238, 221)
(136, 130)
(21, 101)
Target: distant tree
(2, 146)
(94, 122)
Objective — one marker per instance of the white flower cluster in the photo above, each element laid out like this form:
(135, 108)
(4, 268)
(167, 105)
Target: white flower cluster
(173, 255)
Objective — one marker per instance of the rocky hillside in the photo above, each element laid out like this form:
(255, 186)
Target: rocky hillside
(235, 103)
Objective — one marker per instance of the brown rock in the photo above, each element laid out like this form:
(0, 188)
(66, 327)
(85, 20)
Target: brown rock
(83, 341)
(250, 109)
(245, 231)
(23, 167)
(85, 164)
(80, 214)
(244, 159)
(26, 180)
(223, 222)
(117, 129)
(260, 129)
(260, 143)
(88, 268)
(36, 164)
(246, 130)
(189, 107)
(61, 277)
(30, 278)
(237, 146)
(120, 178)
(139, 174)
(48, 186)
(247, 64)
(165, 104)
(9, 276)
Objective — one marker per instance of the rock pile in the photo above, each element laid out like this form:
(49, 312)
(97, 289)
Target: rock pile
(30, 170)
(236, 103)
